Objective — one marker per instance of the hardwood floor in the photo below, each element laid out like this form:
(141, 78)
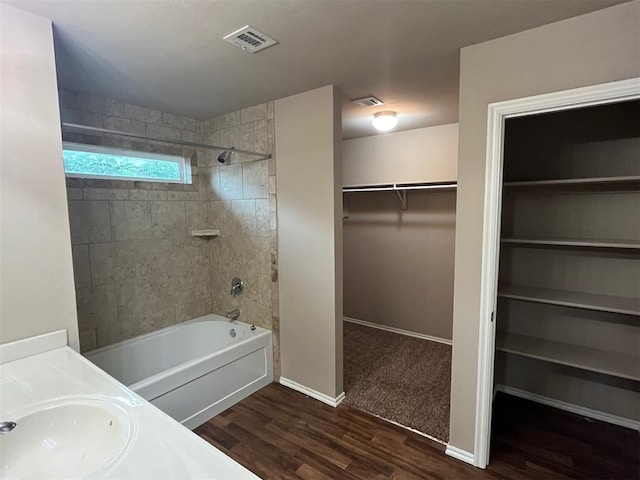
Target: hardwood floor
(281, 434)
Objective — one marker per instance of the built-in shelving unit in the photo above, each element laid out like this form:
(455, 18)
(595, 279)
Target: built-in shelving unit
(575, 181)
(610, 363)
(588, 301)
(575, 242)
(569, 289)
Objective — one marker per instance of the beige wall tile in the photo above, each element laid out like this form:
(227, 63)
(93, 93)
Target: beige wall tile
(242, 136)
(81, 266)
(229, 120)
(244, 214)
(197, 214)
(74, 194)
(251, 114)
(130, 220)
(96, 306)
(271, 129)
(160, 131)
(105, 194)
(207, 125)
(270, 110)
(96, 104)
(88, 340)
(148, 195)
(89, 221)
(255, 179)
(111, 262)
(181, 196)
(230, 182)
(188, 136)
(113, 333)
(80, 117)
(209, 179)
(260, 137)
(168, 219)
(142, 114)
(263, 219)
(123, 125)
(220, 138)
(176, 121)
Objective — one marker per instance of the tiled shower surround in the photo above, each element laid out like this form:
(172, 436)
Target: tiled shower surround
(137, 269)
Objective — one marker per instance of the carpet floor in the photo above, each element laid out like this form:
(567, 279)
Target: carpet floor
(403, 379)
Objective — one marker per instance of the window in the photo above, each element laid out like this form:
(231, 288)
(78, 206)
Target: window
(95, 161)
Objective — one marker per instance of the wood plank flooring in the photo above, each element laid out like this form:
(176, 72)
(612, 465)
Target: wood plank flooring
(278, 433)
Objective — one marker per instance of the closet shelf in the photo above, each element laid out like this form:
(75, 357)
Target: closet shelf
(585, 358)
(575, 181)
(567, 298)
(575, 242)
(400, 187)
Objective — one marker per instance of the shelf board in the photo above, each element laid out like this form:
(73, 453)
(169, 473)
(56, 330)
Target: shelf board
(575, 242)
(585, 358)
(567, 298)
(574, 181)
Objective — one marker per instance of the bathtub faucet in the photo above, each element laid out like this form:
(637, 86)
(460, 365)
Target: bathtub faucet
(233, 315)
(237, 286)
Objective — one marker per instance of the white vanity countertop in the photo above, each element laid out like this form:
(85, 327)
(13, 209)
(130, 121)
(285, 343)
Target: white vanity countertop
(161, 449)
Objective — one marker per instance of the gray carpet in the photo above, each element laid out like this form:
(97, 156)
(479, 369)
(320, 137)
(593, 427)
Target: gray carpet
(399, 378)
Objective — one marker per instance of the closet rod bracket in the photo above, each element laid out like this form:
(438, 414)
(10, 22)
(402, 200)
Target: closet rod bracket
(402, 196)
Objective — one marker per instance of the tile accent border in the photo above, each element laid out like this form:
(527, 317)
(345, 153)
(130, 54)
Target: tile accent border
(32, 346)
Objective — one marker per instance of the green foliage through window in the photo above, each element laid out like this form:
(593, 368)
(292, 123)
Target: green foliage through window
(110, 164)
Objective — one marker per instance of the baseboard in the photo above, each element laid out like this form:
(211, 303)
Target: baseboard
(570, 407)
(398, 330)
(310, 392)
(460, 454)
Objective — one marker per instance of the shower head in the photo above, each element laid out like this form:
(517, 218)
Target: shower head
(224, 156)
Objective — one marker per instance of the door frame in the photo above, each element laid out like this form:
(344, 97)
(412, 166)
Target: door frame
(497, 114)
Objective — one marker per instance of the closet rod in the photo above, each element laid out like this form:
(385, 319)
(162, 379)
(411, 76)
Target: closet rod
(401, 187)
(72, 127)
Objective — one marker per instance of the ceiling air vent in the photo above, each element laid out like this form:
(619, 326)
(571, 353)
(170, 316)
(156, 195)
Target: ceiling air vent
(249, 39)
(368, 102)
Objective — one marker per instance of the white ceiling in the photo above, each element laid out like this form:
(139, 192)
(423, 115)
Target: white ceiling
(169, 54)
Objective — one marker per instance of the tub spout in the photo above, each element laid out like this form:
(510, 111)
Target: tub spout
(233, 315)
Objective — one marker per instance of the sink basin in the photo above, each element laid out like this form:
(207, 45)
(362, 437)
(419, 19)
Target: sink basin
(69, 438)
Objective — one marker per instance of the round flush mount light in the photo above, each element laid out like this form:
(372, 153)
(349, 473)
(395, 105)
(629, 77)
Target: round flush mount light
(385, 121)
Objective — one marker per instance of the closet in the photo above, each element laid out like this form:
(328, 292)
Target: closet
(568, 311)
(398, 244)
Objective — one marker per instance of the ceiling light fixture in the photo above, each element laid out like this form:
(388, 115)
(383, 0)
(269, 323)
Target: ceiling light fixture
(385, 121)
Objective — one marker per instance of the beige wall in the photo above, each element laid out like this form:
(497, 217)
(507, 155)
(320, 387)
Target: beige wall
(595, 48)
(310, 238)
(137, 269)
(36, 276)
(422, 155)
(398, 264)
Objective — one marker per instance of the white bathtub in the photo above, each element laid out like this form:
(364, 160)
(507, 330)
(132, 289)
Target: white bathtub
(195, 370)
